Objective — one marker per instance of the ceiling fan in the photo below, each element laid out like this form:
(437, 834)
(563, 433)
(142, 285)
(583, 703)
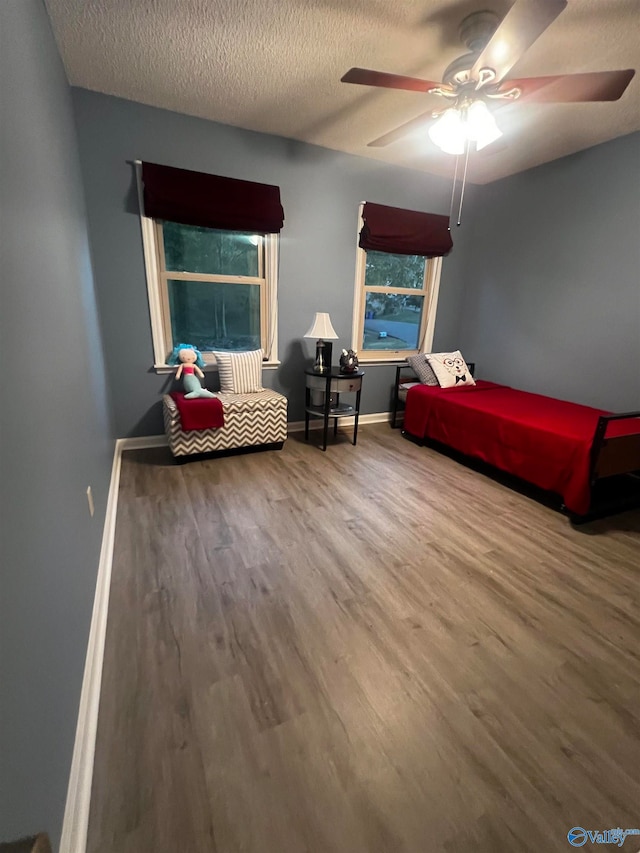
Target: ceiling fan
(479, 78)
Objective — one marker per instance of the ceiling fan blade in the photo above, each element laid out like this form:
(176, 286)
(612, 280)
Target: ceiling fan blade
(403, 130)
(365, 77)
(572, 88)
(523, 23)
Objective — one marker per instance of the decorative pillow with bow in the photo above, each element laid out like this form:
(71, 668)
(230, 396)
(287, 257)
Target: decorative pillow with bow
(450, 369)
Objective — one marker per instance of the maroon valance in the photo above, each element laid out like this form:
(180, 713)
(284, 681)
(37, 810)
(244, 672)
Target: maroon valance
(404, 232)
(212, 201)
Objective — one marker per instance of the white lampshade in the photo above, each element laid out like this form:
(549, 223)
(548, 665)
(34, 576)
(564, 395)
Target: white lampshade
(481, 125)
(454, 127)
(448, 132)
(321, 328)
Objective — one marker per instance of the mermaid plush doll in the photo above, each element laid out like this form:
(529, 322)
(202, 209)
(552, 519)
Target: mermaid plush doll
(189, 361)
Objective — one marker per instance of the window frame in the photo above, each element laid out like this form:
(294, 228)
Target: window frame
(158, 276)
(430, 290)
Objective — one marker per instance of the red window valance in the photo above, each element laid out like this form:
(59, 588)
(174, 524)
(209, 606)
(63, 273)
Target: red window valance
(212, 201)
(404, 232)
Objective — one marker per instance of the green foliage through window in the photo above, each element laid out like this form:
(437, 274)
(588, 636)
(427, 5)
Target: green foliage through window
(188, 248)
(386, 270)
(392, 321)
(213, 314)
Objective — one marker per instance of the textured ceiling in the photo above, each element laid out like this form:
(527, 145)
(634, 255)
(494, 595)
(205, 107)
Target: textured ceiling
(275, 66)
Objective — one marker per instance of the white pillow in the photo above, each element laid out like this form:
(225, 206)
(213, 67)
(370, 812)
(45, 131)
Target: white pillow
(450, 369)
(240, 372)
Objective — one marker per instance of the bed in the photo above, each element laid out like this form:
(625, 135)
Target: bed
(556, 445)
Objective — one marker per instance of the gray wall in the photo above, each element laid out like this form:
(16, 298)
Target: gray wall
(320, 190)
(552, 278)
(55, 431)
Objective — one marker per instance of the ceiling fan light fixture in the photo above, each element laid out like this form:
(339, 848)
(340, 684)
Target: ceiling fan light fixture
(448, 132)
(481, 125)
(475, 123)
(480, 77)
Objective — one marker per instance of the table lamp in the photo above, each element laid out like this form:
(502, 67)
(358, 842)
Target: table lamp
(322, 330)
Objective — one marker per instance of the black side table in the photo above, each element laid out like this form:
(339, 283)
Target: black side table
(332, 382)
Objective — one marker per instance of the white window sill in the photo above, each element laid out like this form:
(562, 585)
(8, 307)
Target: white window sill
(208, 368)
(372, 361)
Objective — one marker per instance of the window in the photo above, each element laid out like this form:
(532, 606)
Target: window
(395, 303)
(215, 288)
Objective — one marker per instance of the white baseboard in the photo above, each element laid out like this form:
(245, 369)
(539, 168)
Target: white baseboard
(317, 423)
(76, 813)
(142, 442)
(145, 441)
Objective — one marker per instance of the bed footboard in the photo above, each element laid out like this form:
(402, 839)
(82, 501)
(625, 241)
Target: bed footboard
(612, 455)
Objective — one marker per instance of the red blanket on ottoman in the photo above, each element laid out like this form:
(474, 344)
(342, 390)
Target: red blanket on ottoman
(199, 412)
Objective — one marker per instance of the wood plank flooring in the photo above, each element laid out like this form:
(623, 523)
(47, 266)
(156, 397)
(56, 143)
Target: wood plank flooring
(367, 650)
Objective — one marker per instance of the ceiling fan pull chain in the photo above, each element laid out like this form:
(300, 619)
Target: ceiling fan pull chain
(464, 180)
(453, 189)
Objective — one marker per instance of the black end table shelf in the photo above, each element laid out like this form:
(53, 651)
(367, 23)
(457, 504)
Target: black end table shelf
(327, 383)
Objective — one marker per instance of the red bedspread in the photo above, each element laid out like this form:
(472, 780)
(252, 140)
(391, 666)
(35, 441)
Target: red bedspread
(540, 439)
(199, 412)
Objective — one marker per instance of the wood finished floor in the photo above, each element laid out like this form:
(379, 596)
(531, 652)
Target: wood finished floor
(367, 650)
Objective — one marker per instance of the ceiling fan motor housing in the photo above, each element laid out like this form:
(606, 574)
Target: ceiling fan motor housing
(475, 32)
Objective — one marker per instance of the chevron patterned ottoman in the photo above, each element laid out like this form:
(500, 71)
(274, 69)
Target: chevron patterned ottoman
(249, 420)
